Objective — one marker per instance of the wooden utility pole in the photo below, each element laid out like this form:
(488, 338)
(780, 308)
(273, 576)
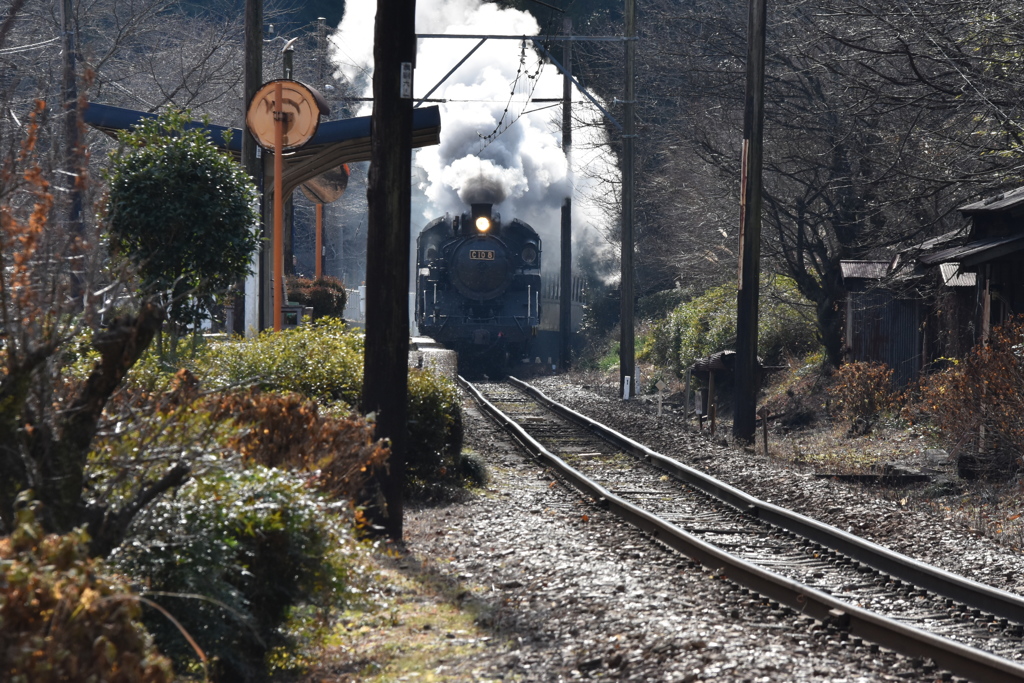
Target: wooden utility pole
(565, 271)
(318, 269)
(72, 152)
(250, 162)
(386, 373)
(746, 384)
(627, 353)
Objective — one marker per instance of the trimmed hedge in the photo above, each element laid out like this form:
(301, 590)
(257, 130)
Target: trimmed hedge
(323, 361)
(435, 458)
(326, 295)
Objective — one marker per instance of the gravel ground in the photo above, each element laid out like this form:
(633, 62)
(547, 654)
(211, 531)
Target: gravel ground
(569, 592)
(924, 532)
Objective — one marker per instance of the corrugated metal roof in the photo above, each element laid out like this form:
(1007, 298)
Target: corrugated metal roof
(999, 202)
(975, 252)
(865, 270)
(938, 241)
(952, 276)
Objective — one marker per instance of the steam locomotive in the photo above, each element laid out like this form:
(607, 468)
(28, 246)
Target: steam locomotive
(478, 287)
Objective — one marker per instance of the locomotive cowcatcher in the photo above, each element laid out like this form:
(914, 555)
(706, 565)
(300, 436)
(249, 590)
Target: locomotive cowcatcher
(478, 287)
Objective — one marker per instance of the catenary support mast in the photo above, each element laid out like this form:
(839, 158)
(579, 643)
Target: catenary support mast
(565, 271)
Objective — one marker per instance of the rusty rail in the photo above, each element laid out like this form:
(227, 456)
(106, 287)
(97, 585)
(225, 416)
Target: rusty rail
(961, 659)
(993, 600)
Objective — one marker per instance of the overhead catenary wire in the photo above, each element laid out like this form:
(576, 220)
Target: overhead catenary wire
(25, 48)
(535, 77)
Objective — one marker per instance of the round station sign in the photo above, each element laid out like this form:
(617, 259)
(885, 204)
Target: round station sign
(301, 106)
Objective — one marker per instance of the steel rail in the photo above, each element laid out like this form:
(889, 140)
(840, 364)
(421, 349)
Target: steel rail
(972, 593)
(962, 660)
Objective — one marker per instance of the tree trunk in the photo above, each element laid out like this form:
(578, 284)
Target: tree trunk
(61, 455)
(830, 329)
(14, 393)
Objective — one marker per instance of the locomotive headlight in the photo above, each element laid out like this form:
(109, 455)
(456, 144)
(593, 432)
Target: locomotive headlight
(483, 224)
(529, 254)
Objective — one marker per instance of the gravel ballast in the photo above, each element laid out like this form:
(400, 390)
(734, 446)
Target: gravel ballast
(569, 592)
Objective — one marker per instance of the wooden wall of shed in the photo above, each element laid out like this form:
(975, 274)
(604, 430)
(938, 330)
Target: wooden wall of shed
(884, 329)
(1007, 277)
(951, 326)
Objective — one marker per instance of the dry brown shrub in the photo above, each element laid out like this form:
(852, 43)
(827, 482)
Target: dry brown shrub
(978, 404)
(864, 390)
(287, 430)
(64, 618)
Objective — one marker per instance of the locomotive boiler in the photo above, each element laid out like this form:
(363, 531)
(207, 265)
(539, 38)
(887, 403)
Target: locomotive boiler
(478, 287)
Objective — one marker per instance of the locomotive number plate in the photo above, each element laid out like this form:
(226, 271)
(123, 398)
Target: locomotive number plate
(481, 254)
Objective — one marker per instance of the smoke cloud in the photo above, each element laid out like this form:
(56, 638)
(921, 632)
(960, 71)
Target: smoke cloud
(498, 144)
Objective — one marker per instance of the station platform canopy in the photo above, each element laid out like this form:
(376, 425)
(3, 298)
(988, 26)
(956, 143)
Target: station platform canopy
(335, 143)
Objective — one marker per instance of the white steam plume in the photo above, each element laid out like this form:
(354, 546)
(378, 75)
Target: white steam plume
(522, 170)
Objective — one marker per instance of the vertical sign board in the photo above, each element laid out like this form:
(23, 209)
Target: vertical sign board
(406, 83)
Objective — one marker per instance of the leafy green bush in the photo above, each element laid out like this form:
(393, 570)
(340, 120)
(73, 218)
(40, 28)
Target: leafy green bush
(182, 212)
(230, 557)
(659, 304)
(326, 295)
(64, 618)
(707, 324)
(323, 361)
(435, 458)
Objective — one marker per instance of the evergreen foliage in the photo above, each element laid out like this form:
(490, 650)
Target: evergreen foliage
(182, 212)
(323, 361)
(707, 324)
(229, 557)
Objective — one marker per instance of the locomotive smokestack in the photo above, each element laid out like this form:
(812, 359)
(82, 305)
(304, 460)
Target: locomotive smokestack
(481, 217)
(481, 210)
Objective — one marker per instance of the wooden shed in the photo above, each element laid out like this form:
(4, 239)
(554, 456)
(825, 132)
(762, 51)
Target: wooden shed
(990, 260)
(883, 318)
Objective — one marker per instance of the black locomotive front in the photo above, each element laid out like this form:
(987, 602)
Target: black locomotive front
(478, 286)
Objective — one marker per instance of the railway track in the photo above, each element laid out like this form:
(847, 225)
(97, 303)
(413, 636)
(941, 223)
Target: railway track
(850, 584)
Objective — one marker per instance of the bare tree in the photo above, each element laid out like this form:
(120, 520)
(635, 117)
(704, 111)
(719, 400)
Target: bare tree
(880, 120)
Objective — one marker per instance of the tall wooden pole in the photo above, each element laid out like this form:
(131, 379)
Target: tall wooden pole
(565, 271)
(389, 191)
(627, 354)
(288, 209)
(746, 384)
(72, 144)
